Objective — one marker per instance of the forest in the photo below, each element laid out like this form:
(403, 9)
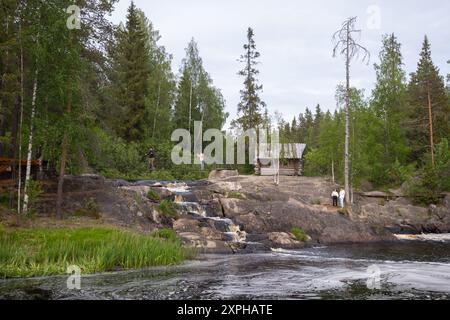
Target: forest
(93, 99)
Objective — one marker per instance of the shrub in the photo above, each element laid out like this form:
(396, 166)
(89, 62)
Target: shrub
(166, 234)
(153, 195)
(34, 192)
(90, 210)
(299, 234)
(168, 209)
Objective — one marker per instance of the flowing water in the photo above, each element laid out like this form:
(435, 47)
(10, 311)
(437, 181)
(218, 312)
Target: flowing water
(407, 270)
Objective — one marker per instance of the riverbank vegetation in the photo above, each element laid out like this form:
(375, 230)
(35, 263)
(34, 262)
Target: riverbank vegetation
(50, 251)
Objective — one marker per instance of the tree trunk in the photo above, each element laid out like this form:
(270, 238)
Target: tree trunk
(156, 111)
(26, 197)
(190, 106)
(332, 171)
(22, 93)
(430, 120)
(62, 169)
(347, 121)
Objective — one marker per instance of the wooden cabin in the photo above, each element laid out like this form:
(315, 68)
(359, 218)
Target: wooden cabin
(290, 163)
(39, 168)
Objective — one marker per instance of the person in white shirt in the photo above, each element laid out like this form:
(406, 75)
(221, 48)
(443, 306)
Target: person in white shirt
(341, 198)
(335, 197)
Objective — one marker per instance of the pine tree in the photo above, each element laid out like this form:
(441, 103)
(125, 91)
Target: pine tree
(251, 106)
(429, 111)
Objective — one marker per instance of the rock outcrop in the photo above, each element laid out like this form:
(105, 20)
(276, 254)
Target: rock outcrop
(231, 213)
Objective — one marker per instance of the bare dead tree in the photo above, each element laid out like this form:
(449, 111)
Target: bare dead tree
(346, 46)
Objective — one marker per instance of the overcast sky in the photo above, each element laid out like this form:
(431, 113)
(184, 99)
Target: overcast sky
(294, 39)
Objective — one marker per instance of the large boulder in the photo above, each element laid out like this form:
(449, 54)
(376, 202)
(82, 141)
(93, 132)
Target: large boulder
(284, 240)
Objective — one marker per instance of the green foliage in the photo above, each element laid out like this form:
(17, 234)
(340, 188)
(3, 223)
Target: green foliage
(197, 96)
(235, 195)
(432, 181)
(153, 195)
(44, 252)
(90, 209)
(34, 192)
(166, 234)
(168, 208)
(299, 234)
(426, 83)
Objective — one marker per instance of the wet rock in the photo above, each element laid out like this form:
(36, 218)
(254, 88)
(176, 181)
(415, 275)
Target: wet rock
(205, 245)
(284, 240)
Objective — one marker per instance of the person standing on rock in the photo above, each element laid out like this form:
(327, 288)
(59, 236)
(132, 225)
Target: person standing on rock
(335, 197)
(342, 198)
(151, 159)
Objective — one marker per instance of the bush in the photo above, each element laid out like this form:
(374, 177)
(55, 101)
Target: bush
(299, 234)
(167, 234)
(153, 196)
(34, 192)
(168, 209)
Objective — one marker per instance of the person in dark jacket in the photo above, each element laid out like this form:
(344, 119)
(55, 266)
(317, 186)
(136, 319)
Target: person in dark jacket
(151, 159)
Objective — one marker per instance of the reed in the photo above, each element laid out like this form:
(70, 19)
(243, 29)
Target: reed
(44, 252)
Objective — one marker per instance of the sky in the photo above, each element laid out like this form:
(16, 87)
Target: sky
(296, 66)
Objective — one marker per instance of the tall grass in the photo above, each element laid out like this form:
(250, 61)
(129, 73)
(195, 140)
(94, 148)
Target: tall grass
(43, 252)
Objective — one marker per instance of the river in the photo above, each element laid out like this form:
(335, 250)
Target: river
(403, 270)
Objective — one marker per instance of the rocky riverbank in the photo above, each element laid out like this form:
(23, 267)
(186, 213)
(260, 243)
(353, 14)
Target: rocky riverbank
(231, 213)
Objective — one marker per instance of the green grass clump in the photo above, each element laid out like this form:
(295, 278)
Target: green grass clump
(168, 209)
(44, 252)
(153, 196)
(299, 234)
(235, 195)
(167, 234)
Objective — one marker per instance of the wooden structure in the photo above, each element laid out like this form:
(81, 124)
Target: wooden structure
(38, 168)
(290, 162)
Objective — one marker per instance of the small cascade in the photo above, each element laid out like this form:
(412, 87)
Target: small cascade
(235, 234)
(183, 199)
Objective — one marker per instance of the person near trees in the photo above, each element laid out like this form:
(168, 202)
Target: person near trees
(335, 197)
(151, 158)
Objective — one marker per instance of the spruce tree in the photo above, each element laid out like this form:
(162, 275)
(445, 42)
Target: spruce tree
(251, 106)
(131, 73)
(389, 103)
